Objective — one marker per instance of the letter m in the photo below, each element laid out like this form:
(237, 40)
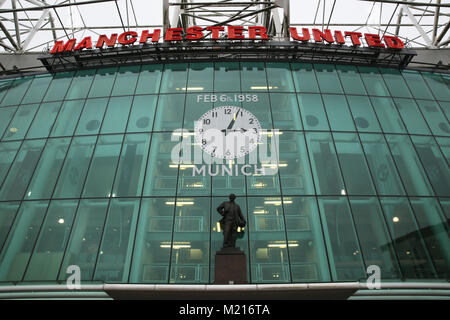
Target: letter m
(60, 46)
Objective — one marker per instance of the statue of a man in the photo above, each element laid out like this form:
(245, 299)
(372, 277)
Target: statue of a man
(232, 218)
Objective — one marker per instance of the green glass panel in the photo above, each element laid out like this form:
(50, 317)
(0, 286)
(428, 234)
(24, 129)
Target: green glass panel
(381, 164)
(73, 173)
(444, 144)
(161, 176)
(388, 115)
(81, 84)
(20, 173)
(445, 106)
(195, 108)
(363, 114)
(285, 111)
(59, 86)
(20, 124)
(4, 85)
(327, 78)
(437, 85)
(227, 77)
(37, 89)
(16, 91)
(344, 252)
(169, 113)
(92, 116)
(49, 249)
(261, 110)
(408, 165)
(324, 163)
(103, 82)
(395, 83)
(439, 125)
(100, 177)
(419, 88)
(407, 239)
(117, 243)
(412, 117)
(116, 115)
(149, 79)
(151, 254)
(268, 243)
(83, 246)
(198, 184)
(445, 204)
(8, 151)
(253, 77)
(200, 78)
(279, 77)
(190, 246)
(67, 118)
(312, 111)
(44, 119)
(350, 79)
(174, 78)
(126, 80)
(132, 162)
(373, 81)
(374, 237)
(338, 113)
(47, 170)
(142, 113)
(434, 163)
(6, 115)
(7, 214)
(304, 77)
(306, 246)
(20, 242)
(354, 168)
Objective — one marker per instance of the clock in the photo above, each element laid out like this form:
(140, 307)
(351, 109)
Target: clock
(227, 132)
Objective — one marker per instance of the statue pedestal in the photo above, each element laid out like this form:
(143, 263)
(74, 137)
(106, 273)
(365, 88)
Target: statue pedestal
(231, 266)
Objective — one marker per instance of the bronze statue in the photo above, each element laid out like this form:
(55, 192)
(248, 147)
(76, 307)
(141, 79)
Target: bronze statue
(232, 218)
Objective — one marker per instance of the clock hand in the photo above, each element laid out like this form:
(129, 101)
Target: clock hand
(234, 120)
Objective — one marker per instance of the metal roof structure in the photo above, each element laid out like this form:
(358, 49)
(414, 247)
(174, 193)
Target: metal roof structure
(34, 25)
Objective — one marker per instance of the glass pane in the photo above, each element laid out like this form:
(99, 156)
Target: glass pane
(81, 84)
(260, 110)
(227, 77)
(84, 242)
(434, 163)
(58, 87)
(103, 82)
(388, 115)
(151, 255)
(169, 113)
(37, 89)
(116, 116)
(307, 252)
(363, 114)
(19, 125)
(16, 91)
(142, 113)
(200, 77)
(437, 85)
(92, 116)
(350, 79)
(408, 165)
(324, 163)
(445, 108)
(417, 85)
(19, 245)
(412, 116)
(338, 113)
(174, 78)
(253, 77)
(373, 81)
(7, 214)
(312, 111)
(408, 241)
(434, 117)
(279, 77)
(149, 79)
(101, 173)
(73, 173)
(395, 83)
(67, 118)
(49, 250)
(126, 80)
(268, 245)
(285, 111)
(444, 144)
(327, 78)
(131, 170)
(6, 115)
(374, 237)
(47, 170)
(340, 236)
(445, 203)
(16, 182)
(43, 122)
(4, 85)
(381, 165)
(190, 247)
(198, 185)
(357, 176)
(304, 77)
(195, 108)
(8, 151)
(117, 244)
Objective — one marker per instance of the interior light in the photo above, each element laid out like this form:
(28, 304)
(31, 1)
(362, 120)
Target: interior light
(61, 221)
(395, 219)
(180, 203)
(343, 192)
(13, 130)
(193, 89)
(263, 87)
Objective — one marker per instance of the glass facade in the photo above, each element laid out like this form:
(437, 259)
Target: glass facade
(352, 170)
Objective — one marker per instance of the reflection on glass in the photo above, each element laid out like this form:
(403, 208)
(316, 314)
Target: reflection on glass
(373, 81)
(67, 118)
(363, 114)
(388, 115)
(92, 116)
(338, 113)
(149, 79)
(20, 124)
(434, 117)
(395, 83)
(103, 82)
(16, 91)
(285, 111)
(412, 117)
(227, 77)
(279, 77)
(169, 113)
(253, 77)
(174, 78)
(126, 80)
(304, 77)
(116, 115)
(419, 88)
(350, 79)
(43, 121)
(312, 111)
(327, 78)
(8, 212)
(37, 89)
(58, 87)
(142, 113)
(200, 78)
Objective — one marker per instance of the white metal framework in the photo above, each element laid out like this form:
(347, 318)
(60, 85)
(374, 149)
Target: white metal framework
(34, 25)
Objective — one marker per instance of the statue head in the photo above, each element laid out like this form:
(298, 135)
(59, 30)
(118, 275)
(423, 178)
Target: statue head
(232, 197)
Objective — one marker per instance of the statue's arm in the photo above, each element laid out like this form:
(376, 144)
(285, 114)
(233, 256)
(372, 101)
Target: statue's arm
(221, 208)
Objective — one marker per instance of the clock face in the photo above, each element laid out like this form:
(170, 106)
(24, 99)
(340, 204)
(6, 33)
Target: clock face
(227, 132)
